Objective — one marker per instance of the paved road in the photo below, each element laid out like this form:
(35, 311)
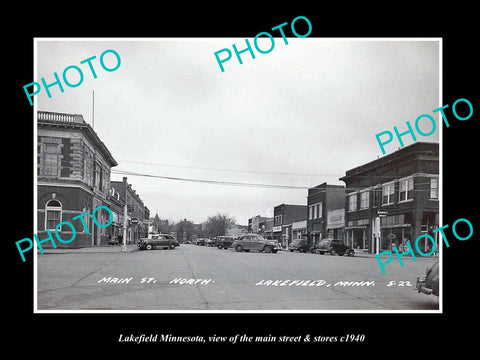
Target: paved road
(205, 278)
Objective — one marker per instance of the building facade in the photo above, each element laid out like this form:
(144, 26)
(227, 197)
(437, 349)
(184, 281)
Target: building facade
(254, 224)
(265, 228)
(73, 178)
(299, 230)
(236, 230)
(137, 226)
(393, 199)
(283, 217)
(116, 205)
(321, 200)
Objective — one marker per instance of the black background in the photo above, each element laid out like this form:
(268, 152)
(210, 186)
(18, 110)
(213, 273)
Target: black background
(63, 335)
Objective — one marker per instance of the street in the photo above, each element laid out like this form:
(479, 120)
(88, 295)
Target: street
(193, 277)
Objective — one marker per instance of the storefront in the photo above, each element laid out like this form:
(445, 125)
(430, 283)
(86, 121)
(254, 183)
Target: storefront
(277, 233)
(336, 224)
(299, 230)
(356, 237)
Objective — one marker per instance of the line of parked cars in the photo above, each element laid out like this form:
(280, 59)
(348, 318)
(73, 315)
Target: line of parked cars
(249, 242)
(326, 246)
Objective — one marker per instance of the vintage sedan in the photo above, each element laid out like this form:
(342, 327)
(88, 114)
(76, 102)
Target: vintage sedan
(200, 241)
(224, 242)
(164, 241)
(429, 283)
(255, 242)
(299, 245)
(334, 247)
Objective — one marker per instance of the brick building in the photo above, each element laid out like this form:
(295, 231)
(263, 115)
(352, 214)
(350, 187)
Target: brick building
(137, 214)
(254, 224)
(321, 222)
(393, 199)
(283, 217)
(73, 177)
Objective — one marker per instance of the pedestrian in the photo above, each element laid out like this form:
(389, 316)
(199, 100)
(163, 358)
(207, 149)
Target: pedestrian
(119, 239)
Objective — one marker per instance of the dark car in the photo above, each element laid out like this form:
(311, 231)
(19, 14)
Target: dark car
(429, 283)
(255, 242)
(113, 241)
(299, 245)
(224, 242)
(164, 241)
(333, 247)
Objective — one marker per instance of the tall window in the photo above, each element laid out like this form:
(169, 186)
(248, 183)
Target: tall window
(53, 214)
(434, 188)
(364, 199)
(377, 196)
(278, 220)
(51, 153)
(405, 189)
(315, 211)
(88, 168)
(100, 180)
(96, 174)
(352, 202)
(387, 193)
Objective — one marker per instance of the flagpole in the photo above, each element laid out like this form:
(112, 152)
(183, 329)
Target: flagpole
(93, 109)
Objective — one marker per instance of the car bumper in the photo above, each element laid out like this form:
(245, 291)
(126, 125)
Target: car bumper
(421, 286)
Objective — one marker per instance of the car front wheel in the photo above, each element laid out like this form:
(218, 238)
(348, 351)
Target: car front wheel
(268, 249)
(149, 247)
(239, 248)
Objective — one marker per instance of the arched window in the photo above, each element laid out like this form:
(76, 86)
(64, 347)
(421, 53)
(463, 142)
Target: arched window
(53, 214)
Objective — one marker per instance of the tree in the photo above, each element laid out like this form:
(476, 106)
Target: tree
(184, 230)
(216, 225)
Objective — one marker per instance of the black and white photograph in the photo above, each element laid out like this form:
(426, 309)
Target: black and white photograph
(261, 187)
(237, 181)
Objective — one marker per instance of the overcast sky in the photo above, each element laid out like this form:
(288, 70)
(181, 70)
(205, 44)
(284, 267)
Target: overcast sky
(300, 115)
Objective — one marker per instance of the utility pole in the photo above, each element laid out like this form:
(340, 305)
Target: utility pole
(125, 223)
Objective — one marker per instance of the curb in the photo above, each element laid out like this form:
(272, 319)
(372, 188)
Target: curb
(91, 250)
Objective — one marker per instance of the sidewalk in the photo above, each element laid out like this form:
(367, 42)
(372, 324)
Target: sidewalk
(93, 249)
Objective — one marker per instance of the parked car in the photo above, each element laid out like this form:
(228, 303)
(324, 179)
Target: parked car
(429, 283)
(299, 245)
(113, 241)
(210, 242)
(255, 242)
(224, 242)
(333, 247)
(164, 241)
(200, 241)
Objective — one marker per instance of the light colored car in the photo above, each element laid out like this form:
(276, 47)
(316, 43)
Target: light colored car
(255, 242)
(163, 241)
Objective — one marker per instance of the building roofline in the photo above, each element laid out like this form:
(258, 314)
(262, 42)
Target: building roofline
(74, 121)
(416, 147)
